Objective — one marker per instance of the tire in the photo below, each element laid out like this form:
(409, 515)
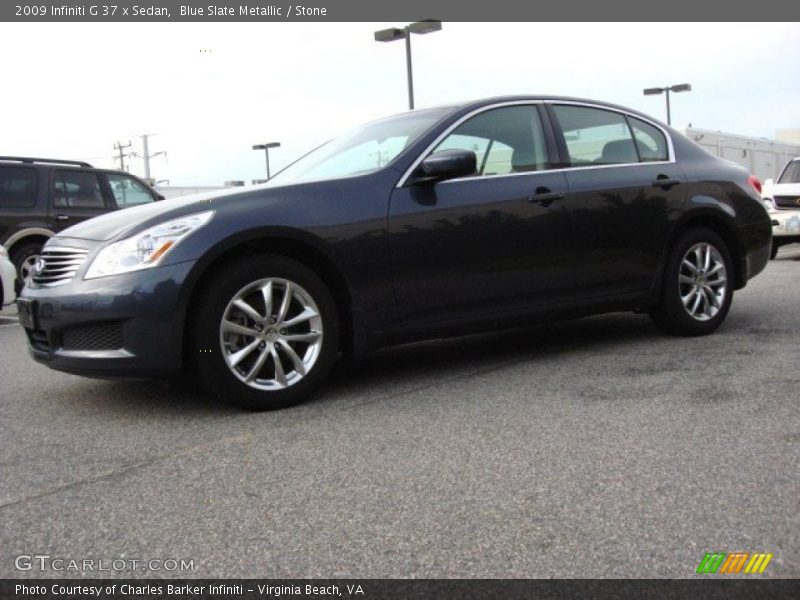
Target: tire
(24, 258)
(670, 315)
(238, 364)
(774, 252)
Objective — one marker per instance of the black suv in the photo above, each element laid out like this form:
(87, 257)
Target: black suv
(40, 196)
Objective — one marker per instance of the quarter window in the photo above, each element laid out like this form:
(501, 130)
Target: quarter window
(127, 191)
(505, 140)
(596, 137)
(17, 187)
(78, 189)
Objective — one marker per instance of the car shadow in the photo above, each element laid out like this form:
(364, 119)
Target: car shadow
(402, 365)
(528, 343)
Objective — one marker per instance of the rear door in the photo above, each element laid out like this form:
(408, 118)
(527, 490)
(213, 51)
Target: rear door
(77, 195)
(624, 191)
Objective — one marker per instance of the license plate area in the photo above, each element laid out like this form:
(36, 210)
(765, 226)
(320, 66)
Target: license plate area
(26, 311)
(792, 224)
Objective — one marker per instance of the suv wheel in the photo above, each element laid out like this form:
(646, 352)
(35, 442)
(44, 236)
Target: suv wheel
(265, 334)
(698, 285)
(24, 259)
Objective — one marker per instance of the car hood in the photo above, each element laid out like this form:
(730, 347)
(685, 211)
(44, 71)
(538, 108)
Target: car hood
(118, 223)
(782, 189)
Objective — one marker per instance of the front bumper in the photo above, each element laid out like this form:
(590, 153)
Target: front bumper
(785, 223)
(128, 325)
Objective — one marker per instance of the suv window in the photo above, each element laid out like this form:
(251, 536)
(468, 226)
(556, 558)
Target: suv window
(650, 141)
(595, 136)
(77, 189)
(127, 191)
(17, 187)
(791, 174)
(505, 140)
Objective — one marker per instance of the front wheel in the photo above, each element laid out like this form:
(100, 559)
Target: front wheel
(698, 285)
(774, 251)
(24, 259)
(265, 333)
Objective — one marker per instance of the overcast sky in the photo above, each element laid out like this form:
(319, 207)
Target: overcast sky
(210, 91)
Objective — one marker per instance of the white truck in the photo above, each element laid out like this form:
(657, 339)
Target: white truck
(782, 199)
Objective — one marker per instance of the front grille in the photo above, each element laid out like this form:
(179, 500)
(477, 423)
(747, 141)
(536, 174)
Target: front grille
(95, 336)
(59, 265)
(38, 340)
(787, 202)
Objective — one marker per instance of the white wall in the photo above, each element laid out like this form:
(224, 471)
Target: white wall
(764, 158)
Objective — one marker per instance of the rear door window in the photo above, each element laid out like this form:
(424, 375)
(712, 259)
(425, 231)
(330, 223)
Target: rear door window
(18, 187)
(595, 136)
(78, 189)
(650, 141)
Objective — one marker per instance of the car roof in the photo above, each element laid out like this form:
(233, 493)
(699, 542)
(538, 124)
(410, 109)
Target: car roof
(475, 104)
(28, 160)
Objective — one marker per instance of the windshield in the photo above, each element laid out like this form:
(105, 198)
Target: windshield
(791, 174)
(361, 150)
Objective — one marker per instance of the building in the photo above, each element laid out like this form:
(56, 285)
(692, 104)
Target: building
(175, 191)
(791, 136)
(764, 158)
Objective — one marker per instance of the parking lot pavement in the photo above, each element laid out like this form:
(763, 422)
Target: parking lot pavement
(595, 448)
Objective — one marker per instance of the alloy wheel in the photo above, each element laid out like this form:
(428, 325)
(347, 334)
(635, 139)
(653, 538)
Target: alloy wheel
(702, 281)
(271, 334)
(26, 268)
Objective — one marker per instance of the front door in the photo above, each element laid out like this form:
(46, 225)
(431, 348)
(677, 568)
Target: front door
(484, 244)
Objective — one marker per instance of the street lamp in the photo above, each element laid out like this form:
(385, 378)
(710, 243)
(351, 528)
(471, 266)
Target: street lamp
(681, 87)
(265, 148)
(404, 33)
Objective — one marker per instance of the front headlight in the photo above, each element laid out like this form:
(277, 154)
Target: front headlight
(146, 249)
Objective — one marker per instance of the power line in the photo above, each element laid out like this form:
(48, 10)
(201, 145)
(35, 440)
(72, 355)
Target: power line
(146, 156)
(121, 156)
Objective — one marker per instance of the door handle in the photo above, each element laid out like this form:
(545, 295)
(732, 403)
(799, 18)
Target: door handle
(665, 182)
(543, 196)
(62, 217)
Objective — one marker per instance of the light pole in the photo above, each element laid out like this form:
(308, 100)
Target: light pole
(681, 87)
(404, 33)
(265, 148)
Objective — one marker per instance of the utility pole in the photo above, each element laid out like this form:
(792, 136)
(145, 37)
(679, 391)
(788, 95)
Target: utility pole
(121, 156)
(146, 156)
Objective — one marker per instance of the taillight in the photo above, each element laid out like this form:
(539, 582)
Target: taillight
(754, 183)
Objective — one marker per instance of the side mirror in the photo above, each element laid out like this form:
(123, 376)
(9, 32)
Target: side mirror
(159, 196)
(447, 164)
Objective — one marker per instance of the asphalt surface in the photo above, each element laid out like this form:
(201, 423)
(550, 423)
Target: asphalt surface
(595, 448)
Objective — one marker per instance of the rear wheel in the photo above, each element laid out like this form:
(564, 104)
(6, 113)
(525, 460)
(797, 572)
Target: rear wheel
(24, 259)
(698, 285)
(265, 333)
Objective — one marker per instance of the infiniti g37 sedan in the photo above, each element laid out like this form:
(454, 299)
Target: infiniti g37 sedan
(436, 222)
